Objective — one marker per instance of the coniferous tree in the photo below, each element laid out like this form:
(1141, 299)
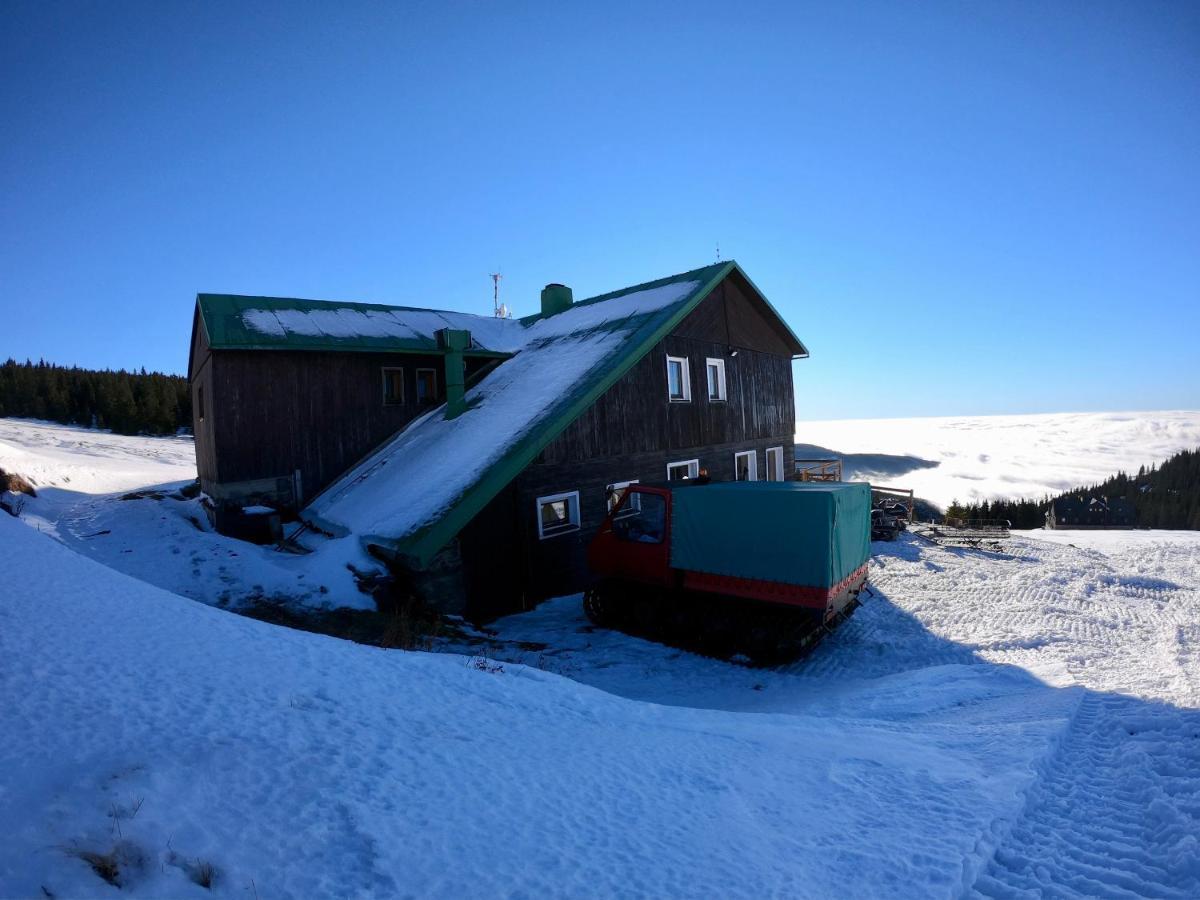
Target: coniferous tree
(130, 403)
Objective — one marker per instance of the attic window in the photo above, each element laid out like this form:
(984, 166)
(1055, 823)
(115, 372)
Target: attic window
(679, 385)
(716, 378)
(558, 514)
(426, 386)
(393, 387)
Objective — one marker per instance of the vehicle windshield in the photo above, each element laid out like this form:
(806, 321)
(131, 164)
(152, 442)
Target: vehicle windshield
(644, 524)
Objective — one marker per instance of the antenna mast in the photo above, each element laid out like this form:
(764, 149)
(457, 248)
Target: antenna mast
(499, 310)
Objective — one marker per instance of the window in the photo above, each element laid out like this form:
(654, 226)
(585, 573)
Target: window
(613, 494)
(426, 385)
(775, 464)
(745, 466)
(681, 471)
(679, 385)
(200, 401)
(558, 514)
(716, 378)
(646, 526)
(393, 386)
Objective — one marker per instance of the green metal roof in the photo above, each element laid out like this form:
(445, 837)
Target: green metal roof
(237, 322)
(382, 515)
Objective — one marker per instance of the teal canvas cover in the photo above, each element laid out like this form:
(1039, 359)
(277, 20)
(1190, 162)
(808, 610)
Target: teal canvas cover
(802, 533)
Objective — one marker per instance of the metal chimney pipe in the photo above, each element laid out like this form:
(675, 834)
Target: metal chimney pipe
(453, 342)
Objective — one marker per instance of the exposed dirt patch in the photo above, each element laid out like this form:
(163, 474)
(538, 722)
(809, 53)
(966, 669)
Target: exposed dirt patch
(18, 484)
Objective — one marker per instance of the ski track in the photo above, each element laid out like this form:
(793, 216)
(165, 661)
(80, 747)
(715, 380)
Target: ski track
(1116, 812)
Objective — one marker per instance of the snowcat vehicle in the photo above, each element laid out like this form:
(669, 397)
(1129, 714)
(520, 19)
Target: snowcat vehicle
(763, 569)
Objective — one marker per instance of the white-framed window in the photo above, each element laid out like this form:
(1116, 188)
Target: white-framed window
(557, 514)
(681, 471)
(426, 385)
(613, 494)
(715, 368)
(745, 466)
(775, 464)
(679, 382)
(393, 386)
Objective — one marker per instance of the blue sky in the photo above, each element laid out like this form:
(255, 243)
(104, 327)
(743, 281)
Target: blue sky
(961, 208)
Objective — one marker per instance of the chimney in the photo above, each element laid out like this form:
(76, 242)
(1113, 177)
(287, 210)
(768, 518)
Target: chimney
(555, 299)
(454, 341)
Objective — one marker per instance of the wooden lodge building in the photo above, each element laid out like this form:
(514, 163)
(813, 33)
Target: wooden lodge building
(479, 455)
(1090, 512)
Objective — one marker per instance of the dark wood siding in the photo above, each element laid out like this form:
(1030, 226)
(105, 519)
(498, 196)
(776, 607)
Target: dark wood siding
(633, 431)
(200, 376)
(317, 412)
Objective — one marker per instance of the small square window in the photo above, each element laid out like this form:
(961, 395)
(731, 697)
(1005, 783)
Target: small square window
(558, 514)
(683, 471)
(393, 387)
(679, 384)
(716, 378)
(613, 494)
(426, 386)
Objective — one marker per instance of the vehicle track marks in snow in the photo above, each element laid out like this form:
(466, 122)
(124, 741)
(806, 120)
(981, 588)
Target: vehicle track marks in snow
(1116, 815)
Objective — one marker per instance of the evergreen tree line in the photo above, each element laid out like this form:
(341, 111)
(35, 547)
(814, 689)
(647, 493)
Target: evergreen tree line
(1165, 496)
(125, 402)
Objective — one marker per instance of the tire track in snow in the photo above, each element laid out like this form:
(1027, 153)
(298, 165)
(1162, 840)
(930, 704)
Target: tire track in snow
(1117, 814)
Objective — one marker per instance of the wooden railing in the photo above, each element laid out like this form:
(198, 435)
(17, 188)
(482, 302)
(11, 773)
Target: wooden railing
(817, 470)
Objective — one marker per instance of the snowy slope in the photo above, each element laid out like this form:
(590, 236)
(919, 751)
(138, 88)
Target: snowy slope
(983, 725)
(984, 457)
(92, 461)
(176, 735)
(111, 497)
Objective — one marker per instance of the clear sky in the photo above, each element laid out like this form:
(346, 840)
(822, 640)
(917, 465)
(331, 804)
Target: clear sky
(960, 208)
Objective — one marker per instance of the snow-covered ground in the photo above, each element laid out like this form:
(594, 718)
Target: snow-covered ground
(114, 498)
(984, 725)
(1016, 457)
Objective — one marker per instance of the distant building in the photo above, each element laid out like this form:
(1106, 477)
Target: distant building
(1090, 512)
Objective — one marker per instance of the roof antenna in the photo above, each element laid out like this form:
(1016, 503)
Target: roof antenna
(499, 310)
(718, 251)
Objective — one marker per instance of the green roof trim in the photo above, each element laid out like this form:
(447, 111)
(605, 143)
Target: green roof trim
(419, 547)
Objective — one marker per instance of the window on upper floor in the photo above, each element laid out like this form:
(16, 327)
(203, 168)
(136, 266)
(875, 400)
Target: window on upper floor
(716, 378)
(426, 386)
(393, 386)
(679, 383)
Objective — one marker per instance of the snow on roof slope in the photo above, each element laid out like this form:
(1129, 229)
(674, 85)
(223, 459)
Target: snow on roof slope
(416, 476)
(349, 321)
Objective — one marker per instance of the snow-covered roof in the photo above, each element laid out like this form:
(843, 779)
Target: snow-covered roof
(236, 322)
(420, 488)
